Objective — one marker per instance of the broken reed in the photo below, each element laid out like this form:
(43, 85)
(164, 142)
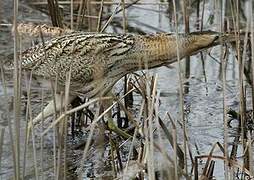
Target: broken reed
(151, 105)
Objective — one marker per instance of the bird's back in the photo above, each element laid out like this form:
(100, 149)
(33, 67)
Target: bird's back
(86, 55)
(97, 61)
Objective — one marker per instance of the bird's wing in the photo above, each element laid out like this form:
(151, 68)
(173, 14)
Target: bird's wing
(87, 55)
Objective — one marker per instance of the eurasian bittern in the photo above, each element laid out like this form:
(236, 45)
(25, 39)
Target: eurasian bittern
(97, 61)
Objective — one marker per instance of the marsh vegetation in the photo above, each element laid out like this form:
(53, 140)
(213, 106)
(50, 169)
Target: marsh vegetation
(192, 120)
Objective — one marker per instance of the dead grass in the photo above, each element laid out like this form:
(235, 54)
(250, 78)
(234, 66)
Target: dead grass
(135, 152)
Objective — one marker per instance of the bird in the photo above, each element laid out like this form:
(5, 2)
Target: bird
(96, 62)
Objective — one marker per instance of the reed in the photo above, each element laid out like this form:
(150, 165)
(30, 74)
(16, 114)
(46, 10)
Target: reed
(136, 151)
(2, 131)
(182, 117)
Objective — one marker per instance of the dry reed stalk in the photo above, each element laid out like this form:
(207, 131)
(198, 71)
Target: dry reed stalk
(67, 91)
(8, 118)
(186, 6)
(174, 146)
(58, 161)
(146, 155)
(29, 116)
(118, 156)
(200, 26)
(72, 15)
(61, 117)
(225, 117)
(108, 3)
(16, 94)
(100, 16)
(80, 11)
(55, 128)
(251, 160)
(112, 155)
(124, 16)
(60, 131)
(245, 146)
(124, 24)
(251, 165)
(131, 147)
(252, 51)
(233, 163)
(223, 59)
(235, 8)
(92, 127)
(28, 90)
(182, 118)
(206, 168)
(33, 139)
(110, 18)
(89, 12)
(42, 138)
(198, 14)
(1, 12)
(189, 150)
(2, 131)
(157, 127)
(54, 92)
(241, 95)
(54, 13)
(202, 16)
(169, 136)
(151, 129)
(120, 10)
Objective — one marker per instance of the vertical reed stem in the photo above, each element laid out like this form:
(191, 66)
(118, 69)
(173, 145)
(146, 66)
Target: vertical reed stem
(182, 118)
(2, 131)
(72, 14)
(223, 64)
(187, 30)
(16, 93)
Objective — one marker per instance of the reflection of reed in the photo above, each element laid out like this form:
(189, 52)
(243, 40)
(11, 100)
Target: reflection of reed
(148, 130)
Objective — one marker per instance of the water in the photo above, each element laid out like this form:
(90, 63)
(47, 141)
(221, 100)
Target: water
(203, 104)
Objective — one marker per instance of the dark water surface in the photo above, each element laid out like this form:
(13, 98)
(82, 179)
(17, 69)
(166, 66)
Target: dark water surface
(203, 104)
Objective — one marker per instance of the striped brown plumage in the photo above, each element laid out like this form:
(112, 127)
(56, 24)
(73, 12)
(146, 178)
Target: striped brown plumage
(98, 61)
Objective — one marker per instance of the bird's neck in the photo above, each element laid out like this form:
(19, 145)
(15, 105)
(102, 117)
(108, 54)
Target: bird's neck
(148, 52)
(155, 51)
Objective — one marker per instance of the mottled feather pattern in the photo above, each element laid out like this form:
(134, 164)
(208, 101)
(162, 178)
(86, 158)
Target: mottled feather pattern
(97, 61)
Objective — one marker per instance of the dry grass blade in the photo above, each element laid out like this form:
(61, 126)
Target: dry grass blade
(73, 111)
(170, 138)
(143, 141)
(8, 117)
(252, 52)
(250, 151)
(186, 15)
(100, 16)
(72, 26)
(206, 168)
(55, 13)
(92, 126)
(17, 105)
(2, 131)
(67, 91)
(175, 144)
(110, 18)
(28, 116)
(182, 118)
(232, 163)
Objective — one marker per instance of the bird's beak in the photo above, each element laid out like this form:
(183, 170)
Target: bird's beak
(224, 38)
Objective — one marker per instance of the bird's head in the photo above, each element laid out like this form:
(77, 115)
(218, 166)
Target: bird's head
(203, 40)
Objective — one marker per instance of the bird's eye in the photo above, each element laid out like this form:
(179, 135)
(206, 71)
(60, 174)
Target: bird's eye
(216, 38)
